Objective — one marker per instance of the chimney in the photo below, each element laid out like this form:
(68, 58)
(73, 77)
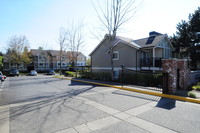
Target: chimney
(154, 33)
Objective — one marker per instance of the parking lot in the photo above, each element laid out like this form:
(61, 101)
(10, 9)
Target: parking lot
(43, 104)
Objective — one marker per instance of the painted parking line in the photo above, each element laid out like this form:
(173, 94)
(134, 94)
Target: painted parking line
(140, 91)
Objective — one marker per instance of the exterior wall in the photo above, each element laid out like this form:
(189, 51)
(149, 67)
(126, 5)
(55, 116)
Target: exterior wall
(40, 63)
(158, 52)
(100, 58)
(53, 62)
(81, 60)
(126, 56)
(8, 66)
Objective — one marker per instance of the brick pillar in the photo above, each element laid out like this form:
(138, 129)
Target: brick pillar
(170, 66)
(184, 79)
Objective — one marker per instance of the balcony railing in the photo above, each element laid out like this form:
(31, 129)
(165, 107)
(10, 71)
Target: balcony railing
(148, 62)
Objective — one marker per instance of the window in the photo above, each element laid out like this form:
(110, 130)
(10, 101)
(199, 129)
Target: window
(41, 64)
(115, 55)
(12, 64)
(62, 58)
(58, 64)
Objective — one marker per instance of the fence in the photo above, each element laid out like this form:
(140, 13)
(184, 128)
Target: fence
(148, 80)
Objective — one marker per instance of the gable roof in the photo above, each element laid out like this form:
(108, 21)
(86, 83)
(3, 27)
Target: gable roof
(150, 41)
(155, 40)
(118, 39)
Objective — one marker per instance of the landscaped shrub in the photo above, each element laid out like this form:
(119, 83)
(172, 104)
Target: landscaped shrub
(70, 74)
(192, 94)
(142, 78)
(196, 87)
(86, 75)
(101, 76)
(95, 75)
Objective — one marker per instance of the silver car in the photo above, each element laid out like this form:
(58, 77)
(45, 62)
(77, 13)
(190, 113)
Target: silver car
(32, 73)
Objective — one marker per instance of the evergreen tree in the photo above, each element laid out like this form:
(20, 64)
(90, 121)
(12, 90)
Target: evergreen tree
(186, 38)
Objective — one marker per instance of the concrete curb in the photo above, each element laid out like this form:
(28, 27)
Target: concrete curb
(141, 91)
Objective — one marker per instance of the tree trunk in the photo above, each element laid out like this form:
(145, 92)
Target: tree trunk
(60, 63)
(112, 69)
(111, 55)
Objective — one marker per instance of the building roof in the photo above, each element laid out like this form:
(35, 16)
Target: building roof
(151, 41)
(37, 52)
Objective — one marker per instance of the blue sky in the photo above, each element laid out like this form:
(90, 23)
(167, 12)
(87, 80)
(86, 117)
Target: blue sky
(40, 20)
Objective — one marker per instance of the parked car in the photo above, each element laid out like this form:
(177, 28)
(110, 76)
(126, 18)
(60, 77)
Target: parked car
(13, 72)
(2, 77)
(33, 73)
(51, 72)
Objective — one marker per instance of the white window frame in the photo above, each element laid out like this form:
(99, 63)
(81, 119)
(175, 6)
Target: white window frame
(116, 52)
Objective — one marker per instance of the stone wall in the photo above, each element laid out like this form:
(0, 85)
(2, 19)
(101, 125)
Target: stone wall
(175, 67)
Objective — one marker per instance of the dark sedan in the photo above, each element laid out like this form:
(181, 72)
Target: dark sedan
(51, 72)
(13, 72)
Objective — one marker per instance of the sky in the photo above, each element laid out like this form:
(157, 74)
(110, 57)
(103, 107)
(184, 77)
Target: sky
(41, 20)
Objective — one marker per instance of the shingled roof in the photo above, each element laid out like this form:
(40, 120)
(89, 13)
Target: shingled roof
(142, 43)
(155, 40)
(36, 52)
(151, 41)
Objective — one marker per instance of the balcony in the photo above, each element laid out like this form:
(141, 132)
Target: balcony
(151, 63)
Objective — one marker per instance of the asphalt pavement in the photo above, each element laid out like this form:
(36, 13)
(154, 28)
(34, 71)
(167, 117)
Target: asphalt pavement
(43, 104)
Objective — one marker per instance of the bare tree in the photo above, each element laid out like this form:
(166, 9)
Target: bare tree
(62, 40)
(113, 15)
(75, 38)
(17, 50)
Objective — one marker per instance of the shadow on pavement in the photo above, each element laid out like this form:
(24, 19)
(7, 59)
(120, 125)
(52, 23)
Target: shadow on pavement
(98, 81)
(166, 103)
(74, 83)
(141, 96)
(36, 102)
